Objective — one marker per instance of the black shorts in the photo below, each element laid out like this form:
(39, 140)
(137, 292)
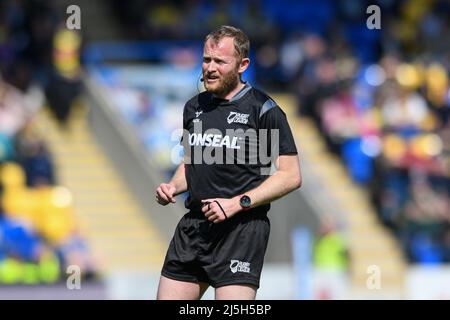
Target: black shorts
(229, 252)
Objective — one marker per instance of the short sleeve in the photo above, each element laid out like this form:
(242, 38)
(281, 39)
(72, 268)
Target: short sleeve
(271, 118)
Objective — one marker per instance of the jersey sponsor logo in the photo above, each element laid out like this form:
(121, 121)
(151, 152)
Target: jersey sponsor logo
(213, 140)
(239, 266)
(237, 117)
(234, 146)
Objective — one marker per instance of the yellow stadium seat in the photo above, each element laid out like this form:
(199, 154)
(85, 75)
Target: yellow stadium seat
(55, 218)
(17, 200)
(12, 175)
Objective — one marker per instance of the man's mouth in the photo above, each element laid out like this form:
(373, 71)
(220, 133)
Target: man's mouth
(211, 78)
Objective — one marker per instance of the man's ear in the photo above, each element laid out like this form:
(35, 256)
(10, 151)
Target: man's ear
(244, 65)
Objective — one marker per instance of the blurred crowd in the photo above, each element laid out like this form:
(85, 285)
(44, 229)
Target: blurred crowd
(39, 233)
(38, 51)
(380, 97)
(386, 115)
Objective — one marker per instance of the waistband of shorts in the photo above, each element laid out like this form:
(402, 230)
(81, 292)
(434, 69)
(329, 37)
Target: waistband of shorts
(196, 212)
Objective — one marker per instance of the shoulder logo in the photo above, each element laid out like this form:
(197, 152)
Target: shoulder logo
(239, 266)
(237, 117)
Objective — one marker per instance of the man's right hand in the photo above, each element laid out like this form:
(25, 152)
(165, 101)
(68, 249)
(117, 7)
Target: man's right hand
(165, 194)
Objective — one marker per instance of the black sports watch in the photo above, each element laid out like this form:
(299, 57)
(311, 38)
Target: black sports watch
(245, 202)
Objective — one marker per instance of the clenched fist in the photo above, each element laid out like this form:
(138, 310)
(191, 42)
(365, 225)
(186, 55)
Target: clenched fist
(165, 194)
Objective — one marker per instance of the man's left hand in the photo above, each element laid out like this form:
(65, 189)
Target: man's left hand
(214, 213)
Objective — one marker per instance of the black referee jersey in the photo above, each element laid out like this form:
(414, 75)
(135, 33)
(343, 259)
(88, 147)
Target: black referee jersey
(229, 145)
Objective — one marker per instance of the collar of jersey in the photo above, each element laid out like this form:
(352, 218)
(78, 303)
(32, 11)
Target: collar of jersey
(236, 97)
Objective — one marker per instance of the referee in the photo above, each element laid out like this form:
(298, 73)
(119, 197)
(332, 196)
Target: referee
(228, 128)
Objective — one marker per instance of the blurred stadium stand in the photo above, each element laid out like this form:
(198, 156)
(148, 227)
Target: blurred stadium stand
(368, 108)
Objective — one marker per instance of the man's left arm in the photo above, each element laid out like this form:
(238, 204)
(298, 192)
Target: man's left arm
(286, 179)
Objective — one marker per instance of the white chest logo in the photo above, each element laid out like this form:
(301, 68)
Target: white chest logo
(237, 117)
(198, 113)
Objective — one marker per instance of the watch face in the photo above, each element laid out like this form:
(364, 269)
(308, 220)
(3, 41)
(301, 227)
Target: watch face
(245, 201)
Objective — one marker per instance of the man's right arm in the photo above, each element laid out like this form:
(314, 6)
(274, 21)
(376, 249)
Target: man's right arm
(179, 180)
(166, 192)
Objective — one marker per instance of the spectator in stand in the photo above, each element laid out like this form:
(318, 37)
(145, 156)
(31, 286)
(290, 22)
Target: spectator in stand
(331, 261)
(35, 158)
(65, 83)
(13, 115)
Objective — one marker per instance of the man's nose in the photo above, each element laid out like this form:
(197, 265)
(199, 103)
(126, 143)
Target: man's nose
(211, 67)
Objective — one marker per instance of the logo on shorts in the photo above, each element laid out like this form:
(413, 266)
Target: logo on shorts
(239, 266)
(237, 117)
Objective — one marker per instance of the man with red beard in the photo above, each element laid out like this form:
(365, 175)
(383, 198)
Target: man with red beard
(223, 238)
